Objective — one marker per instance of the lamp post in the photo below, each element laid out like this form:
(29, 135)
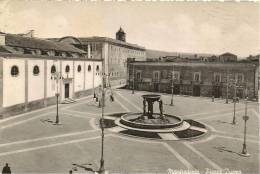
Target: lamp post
(133, 90)
(102, 168)
(57, 77)
(172, 85)
(102, 120)
(235, 101)
(245, 118)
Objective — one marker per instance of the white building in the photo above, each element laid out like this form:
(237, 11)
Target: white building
(28, 67)
(114, 52)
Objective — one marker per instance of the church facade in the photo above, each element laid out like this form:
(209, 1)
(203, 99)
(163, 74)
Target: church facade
(33, 71)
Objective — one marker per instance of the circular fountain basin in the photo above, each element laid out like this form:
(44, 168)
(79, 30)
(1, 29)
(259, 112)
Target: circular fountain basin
(135, 121)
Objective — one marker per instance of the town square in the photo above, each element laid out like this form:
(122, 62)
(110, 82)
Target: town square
(33, 143)
(129, 87)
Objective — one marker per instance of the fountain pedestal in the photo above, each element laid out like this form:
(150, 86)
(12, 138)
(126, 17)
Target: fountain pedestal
(150, 99)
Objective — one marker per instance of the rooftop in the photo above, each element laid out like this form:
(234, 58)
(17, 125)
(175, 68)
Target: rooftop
(155, 54)
(14, 40)
(85, 40)
(194, 64)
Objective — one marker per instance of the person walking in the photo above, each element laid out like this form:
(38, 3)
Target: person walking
(6, 169)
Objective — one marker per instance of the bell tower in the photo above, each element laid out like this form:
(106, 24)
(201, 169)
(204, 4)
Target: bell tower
(120, 35)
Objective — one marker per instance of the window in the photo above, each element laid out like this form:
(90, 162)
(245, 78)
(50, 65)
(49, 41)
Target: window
(27, 51)
(14, 70)
(57, 53)
(240, 78)
(36, 70)
(196, 77)
(53, 69)
(89, 68)
(156, 75)
(176, 75)
(44, 52)
(97, 68)
(67, 69)
(217, 77)
(79, 68)
(138, 75)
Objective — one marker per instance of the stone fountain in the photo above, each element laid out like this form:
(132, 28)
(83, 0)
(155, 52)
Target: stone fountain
(159, 125)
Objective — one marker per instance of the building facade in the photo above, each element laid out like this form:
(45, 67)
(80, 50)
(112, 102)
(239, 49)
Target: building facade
(114, 52)
(196, 78)
(33, 71)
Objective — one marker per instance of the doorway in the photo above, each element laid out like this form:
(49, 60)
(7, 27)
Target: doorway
(67, 90)
(217, 91)
(176, 89)
(196, 90)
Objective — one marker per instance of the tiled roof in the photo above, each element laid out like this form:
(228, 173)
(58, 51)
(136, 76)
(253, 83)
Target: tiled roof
(36, 43)
(227, 54)
(85, 40)
(110, 40)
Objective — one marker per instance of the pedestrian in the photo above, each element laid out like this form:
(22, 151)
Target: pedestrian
(6, 169)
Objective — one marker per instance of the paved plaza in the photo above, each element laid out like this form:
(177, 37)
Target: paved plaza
(31, 143)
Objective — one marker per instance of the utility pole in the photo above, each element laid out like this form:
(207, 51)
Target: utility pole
(245, 118)
(133, 90)
(102, 125)
(57, 77)
(172, 85)
(235, 100)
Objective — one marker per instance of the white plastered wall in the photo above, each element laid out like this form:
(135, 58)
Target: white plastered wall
(13, 87)
(35, 82)
(51, 83)
(79, 76)
(98, 76)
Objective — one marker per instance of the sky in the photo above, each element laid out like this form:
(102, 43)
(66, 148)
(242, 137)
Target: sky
(191, 27)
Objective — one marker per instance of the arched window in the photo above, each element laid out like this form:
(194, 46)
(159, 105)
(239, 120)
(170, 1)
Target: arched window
(79, 68)
(53, 69)
(36, 70)
(14, 70)
(89, 67)
(97, 68)
(67, 69)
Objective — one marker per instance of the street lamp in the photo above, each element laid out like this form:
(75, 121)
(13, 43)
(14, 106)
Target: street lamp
(245, 118)
(102, 121)
(133, 90)
(57, 76)
(172, 85)
(102, 168)
(235, 101)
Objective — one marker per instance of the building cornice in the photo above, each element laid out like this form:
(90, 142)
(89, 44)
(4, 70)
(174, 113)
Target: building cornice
(28, 56)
